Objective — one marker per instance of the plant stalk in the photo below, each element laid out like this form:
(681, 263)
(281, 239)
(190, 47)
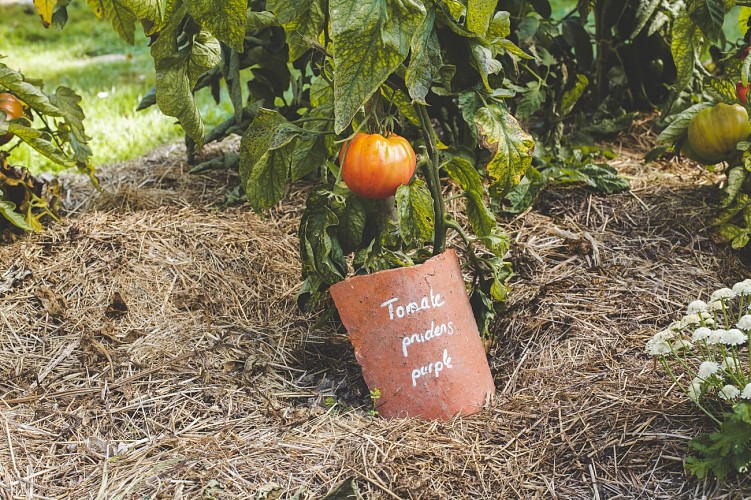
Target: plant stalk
(432, 176)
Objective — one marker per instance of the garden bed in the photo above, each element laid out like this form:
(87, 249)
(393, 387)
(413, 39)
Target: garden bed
(151, 346)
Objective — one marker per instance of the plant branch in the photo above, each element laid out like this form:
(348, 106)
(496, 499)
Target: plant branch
(430, 169)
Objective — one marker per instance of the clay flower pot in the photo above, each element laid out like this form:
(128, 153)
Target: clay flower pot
(416, 339)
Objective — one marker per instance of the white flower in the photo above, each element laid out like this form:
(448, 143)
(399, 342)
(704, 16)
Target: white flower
(694, 390)
(701, 333)
(729, 392)
(716, 336)
(707, 369)
(689, 320)
(742, 287)
(730, 363)
(707, 318)
(682, 344)
(657, 348)
(746, 394)
(696, 306)
(715, 305)
(745, 322)
(734, 337)
(722, 294)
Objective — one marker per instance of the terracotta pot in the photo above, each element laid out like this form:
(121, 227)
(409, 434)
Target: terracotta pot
(416, 339)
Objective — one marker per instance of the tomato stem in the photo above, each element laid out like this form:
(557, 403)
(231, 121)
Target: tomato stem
(433, 179)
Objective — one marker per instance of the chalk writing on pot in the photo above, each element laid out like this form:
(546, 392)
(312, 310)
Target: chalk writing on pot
(431, 333)
(397, 310)
(432, 368)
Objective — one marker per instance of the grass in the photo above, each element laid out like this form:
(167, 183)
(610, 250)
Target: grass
(110, 76)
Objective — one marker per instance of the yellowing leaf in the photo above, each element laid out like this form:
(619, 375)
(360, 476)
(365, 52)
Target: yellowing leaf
(45, 8)
(370, 40)
(743, 17)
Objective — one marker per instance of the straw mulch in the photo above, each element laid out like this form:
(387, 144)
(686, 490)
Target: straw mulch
(150, 346)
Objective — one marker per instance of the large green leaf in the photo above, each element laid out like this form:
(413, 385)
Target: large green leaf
(225, 19)
(371, 38)
(353, 216)
(684, 47)
(119, 14)
(708, 15)
(27, 92)
(425, 60)
(205, 53)
(178, 66)
(414, 206)
(302, 20)
(466, 175)
(68, 102)
(42, 142)
(479, 14)
(484, 62)
(8, 211)
(678, 128)
(266, 152)
(149, 12)
(509, 144)
(572, 95)
(320, 252)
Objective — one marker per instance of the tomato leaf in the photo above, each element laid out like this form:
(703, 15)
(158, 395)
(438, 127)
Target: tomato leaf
(302, 20)
(483, 61)
(500, 25)
(353, 216)
(119, 14)
(531, 101)
(27, 92)
(509, 144)
(743, 17)
(149, 12)
(571, 96)
(225, 19)
(708, 15)
(45, 9)
(414, 206)
(40, 141)
(455, 8)
(479, 14)
(644, 13)
(425, 59)
(266, 152)
(526, 192)
(402, 102)
(68, 102)
(320, 251)
(678, 128)
(370, 40)
(684, 47)
(466, 175)
(178, 67)
(8, 211)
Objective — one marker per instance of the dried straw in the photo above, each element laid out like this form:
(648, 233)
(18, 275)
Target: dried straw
(150, 346)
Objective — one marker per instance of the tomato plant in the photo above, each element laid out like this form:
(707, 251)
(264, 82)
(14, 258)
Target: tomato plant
(60, 136)
(374, 166)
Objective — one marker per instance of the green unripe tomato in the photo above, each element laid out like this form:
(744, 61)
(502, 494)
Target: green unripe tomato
(714, 132)
(688, 152)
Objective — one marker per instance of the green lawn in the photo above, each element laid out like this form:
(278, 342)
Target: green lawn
(110, 75)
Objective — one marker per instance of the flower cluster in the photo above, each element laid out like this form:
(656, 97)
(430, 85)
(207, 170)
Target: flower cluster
(710, 346)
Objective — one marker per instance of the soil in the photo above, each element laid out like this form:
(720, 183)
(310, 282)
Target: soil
(150, 346)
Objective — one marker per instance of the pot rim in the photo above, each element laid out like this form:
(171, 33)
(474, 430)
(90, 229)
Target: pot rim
(449, 253)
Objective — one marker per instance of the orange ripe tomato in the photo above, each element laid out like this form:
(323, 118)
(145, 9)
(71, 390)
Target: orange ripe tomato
(374, 166)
